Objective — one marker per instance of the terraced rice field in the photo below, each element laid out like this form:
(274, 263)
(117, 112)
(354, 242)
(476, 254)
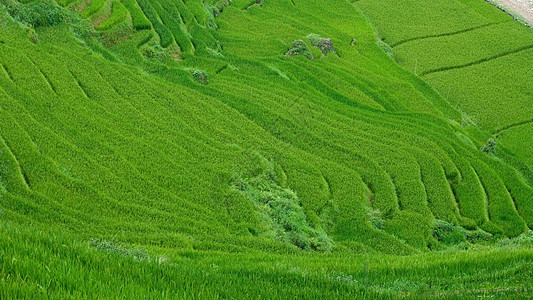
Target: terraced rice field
(481, 66)
(181, 127)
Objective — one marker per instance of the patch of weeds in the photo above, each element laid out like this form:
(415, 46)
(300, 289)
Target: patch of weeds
(299, 47)
(154, 51)
(478, 236)
(385, 47)
(47, 13)
(376, 218)
(448, 233)
(214, 52)
(119, 249)
(280, 211)
(524, 240)
(200, 76)
(325, 45)
(341, 278)
(489, 147)
(467, 120)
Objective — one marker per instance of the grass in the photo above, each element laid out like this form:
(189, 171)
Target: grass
(53, 265)
(459, 62)
(330, 176)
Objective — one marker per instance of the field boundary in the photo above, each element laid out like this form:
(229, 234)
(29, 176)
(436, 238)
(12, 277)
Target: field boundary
(513, 15)
(477, 62)
(513, 125)
(446, 34)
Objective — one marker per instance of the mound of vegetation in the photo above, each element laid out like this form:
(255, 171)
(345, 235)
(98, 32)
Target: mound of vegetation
(280, 212)
(299, 47)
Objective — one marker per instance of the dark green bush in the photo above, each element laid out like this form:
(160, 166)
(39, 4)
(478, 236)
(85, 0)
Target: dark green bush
(200, 76)
(154, 51)
(490, 146)
(299, 47)
(448, 233)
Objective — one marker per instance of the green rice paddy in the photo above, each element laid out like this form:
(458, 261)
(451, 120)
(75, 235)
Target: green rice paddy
(171, 149)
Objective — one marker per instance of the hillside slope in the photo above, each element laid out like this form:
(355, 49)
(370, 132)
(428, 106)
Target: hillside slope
(478, 57)
(116, 138)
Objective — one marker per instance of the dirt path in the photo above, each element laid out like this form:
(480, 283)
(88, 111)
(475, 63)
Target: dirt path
(523, 8)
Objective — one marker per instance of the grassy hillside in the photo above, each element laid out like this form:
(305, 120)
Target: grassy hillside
(278, 130)
(477, 57)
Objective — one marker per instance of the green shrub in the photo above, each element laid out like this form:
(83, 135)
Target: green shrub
(325, 45)
(448, 233)
(299, 47)
(385, 47)
(280, 211)
(490, 146)
(200, 76)
(478, 236)
(154, 51)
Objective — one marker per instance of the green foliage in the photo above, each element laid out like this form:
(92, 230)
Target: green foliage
(51, 265)
(134, 151)
(200, 76)
(119, 14)
(478, 236)
(96, 5)
(280, 211)
(38, 14)
(325, 45)
(385, 47)
(140, 22)
(164, 33)
(376, 218)
(153, 50)
(299, 47)
(119, 249)
(447, 233)
(489, 147)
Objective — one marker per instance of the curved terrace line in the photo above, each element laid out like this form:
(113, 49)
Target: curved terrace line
(477, 62)
(446, 34)
(513, 126)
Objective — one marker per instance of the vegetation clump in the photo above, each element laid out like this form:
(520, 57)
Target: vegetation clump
(385, 47)
(448, 233)
(325, 45)
(376, 218)
(120, 249)
(200, 76)
(299, 47)
(490, 146)
(154, 51)
(45, 14)
(280, 211)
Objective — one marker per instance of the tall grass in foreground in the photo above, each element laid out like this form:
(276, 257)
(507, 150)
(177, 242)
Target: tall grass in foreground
(46, 264)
